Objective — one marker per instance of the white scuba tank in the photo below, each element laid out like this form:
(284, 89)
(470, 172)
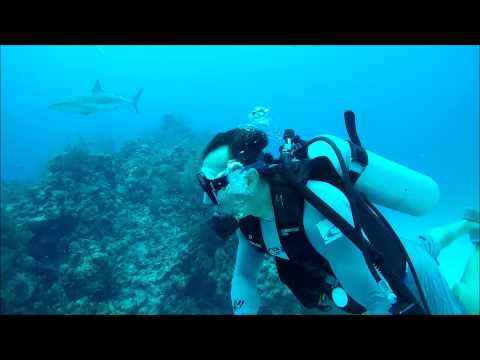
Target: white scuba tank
(382, 181)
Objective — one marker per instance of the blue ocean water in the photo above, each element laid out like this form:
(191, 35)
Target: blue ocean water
(416, 105)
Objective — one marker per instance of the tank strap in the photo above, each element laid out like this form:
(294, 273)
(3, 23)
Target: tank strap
(352, 128)
(359, 154)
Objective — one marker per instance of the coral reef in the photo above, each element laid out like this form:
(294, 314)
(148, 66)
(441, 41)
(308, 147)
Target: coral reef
(122, 233)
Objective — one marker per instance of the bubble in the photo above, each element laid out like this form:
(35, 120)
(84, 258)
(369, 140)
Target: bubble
(234, 199)
(260, 116)
(260, 119)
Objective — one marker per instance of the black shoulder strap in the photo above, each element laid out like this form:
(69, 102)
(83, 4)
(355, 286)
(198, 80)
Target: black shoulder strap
(288, 208)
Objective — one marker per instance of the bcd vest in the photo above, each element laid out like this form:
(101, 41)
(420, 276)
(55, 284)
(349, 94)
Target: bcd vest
(307, 274)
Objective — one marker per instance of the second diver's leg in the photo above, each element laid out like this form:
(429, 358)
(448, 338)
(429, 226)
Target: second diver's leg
(440, 298)
(467, 290)
(438, 238)
(446, 234)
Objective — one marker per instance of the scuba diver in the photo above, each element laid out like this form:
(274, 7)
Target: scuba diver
(312, 209)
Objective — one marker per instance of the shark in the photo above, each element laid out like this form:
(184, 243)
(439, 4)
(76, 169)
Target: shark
(97, 100)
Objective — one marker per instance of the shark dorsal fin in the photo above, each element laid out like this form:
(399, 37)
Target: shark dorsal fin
(97, 88)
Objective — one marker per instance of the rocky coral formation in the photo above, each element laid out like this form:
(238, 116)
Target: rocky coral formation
(122, 233)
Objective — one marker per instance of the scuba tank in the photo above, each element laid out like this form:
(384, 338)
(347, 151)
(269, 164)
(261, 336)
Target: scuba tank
(382, 181)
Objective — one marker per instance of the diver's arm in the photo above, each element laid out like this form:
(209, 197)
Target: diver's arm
(244, 293)
(345, 259)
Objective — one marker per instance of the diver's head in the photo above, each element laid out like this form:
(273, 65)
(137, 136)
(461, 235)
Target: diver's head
(230, 174)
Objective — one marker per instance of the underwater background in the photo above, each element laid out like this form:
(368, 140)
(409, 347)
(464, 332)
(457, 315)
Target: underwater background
(101, 213)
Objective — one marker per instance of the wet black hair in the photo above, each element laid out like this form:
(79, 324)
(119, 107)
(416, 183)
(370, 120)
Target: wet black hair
(245, 145)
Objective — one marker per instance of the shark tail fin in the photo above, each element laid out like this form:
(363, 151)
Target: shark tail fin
(135, 100)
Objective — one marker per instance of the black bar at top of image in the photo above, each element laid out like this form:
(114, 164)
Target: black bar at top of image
(241, 23)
